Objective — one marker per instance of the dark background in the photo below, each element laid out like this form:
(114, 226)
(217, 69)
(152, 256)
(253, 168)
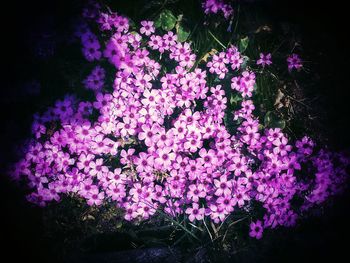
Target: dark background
(324, 30)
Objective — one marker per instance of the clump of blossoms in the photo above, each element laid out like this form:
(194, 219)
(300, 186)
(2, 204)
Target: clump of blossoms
(95, 80)
(148, 146)
(214, 6)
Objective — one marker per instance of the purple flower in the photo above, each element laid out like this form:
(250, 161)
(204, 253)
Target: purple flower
(234, 57)
(218, 65)
(164, 158)
(195, 192)
(95, 80)
(213, 6)
(91, 46)
(294, 61)
(256, 229)
(195, 213)
(147, 28)
(265, 59)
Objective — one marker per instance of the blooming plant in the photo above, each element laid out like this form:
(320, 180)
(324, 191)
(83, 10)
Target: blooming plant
(158, 140)
(214, 6)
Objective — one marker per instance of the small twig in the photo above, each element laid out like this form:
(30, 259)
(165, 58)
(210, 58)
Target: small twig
(299, 101)
(277, 48)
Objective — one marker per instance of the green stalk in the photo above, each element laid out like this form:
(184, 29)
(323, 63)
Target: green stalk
(217, 40)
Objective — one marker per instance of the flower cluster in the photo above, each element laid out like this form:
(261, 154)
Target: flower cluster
(214, 6)
(91, 46)
(244, 83)
(95, 80)
(158, 141)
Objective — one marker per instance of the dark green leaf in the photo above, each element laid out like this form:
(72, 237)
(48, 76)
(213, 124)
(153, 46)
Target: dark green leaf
(158, 22)
(272, 121)
(235, 98)
(245, 62)
(243, 44)
(166, 20)
(182, 34)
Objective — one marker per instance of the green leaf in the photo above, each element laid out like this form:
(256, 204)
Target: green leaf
(169, 20)
(182, 34)
(243, 44)
(268, 118)
(166, 20)
(158, 22)
(272, 121)
(235, 98)
(132, 24)
(245, 62)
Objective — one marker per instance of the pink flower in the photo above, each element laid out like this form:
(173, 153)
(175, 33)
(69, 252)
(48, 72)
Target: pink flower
(142, 81)
(148, 133)
(195, 213)
(234, 57)
(159, 194)
(150, 97)
(95, 197)
(238, 165)
(192, 143)
(170, 39)
(256, 229)
(165, 139)
(282, 148)
(294, 61)
(84, 161)
(187, 61)
(217, 213)
(208, 157)
(97, 168)
(146, 209)
(147, 28)
(116, 192)
(127, 156)
(217, 65)
(130, 211)
(223, 186)
(164, 158)
(144, 163)
(155, 42)
(265, 59)
(226, 203)
(195, 192)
